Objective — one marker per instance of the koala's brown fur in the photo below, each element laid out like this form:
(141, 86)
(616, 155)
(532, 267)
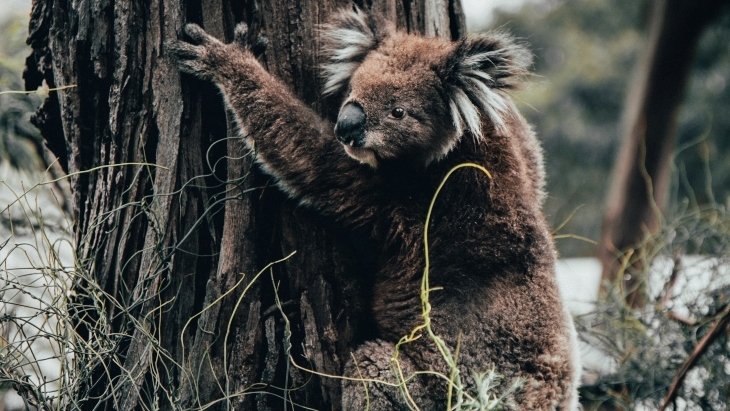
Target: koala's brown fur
(422, 106)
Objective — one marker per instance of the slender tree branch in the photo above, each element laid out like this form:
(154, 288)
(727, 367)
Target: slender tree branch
(697, 353)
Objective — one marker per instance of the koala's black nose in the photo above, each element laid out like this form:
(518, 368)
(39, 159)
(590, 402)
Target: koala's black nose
(350, 128)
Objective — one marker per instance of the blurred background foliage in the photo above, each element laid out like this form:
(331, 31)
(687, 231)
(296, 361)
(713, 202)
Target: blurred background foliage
(20, 141)
(585, 53)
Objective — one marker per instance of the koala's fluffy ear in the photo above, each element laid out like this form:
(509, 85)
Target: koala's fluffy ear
(347, 40)
(475, 75)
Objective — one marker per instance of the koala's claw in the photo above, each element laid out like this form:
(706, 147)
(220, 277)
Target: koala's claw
(182, 50)
(197, 53)
(205, 57)
(197, 34)
(240, 34)
(189, 57)
(258, 47)
(242, 37)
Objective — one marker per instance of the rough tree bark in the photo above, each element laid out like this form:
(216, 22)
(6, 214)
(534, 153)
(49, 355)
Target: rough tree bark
(170, 215)
(641, 173)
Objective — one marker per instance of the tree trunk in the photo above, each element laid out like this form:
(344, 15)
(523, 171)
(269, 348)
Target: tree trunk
(173, 222)
(641, 174)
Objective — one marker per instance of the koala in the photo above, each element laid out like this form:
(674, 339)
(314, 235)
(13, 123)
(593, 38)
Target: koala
(413, 109)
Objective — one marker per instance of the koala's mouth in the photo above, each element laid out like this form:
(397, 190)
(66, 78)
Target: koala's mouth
(362, 154)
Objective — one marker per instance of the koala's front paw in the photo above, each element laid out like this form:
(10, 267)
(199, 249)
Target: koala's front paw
(243, 39)
(208, 58)
(201, 56)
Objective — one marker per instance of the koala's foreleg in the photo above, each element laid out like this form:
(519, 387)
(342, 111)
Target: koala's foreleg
(291, 141)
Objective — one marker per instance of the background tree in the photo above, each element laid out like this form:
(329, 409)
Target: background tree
(641, 174)
(173, 222)
(584, 58)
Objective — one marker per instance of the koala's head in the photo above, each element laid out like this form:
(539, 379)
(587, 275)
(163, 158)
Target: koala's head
(413, 97)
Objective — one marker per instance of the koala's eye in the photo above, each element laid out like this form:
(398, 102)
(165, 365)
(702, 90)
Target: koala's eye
(398, 112)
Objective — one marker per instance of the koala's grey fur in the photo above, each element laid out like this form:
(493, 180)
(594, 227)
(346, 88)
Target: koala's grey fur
(492, 256)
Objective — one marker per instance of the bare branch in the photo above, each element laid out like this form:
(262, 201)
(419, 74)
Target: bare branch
(697, 353)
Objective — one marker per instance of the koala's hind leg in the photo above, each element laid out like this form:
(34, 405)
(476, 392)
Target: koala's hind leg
(373, 361)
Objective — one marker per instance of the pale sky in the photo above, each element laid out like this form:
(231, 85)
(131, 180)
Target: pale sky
(479, 12)
(14, 7)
